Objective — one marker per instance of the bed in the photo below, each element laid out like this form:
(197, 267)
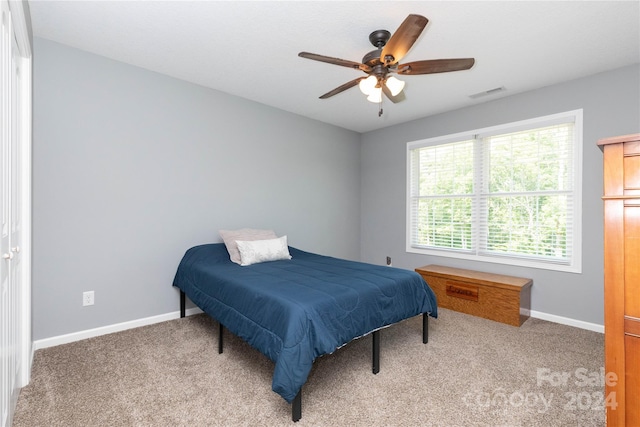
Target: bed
(295, 310)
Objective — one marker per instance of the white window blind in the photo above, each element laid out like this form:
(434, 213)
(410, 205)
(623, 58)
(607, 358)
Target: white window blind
(507, 194)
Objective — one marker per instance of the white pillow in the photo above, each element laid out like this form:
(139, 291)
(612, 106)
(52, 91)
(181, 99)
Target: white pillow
(255, 251)
(246, 234)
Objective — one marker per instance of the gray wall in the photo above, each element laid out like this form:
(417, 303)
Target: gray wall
(611, 104)
(131, 168)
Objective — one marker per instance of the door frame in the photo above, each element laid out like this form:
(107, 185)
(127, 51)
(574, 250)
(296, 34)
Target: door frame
(21, 20)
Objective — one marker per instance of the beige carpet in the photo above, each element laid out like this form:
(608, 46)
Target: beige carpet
(473, 372)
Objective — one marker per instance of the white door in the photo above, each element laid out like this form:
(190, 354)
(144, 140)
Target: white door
(15, 226)
(10, 220)
(5, 253)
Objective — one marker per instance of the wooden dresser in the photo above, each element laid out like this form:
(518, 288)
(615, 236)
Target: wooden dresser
(622, 278)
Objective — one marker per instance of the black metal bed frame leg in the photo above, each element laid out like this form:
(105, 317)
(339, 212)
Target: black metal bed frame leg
(220, 338)
(425, 328)
(376, 352)
(296, 407)
(182, 304)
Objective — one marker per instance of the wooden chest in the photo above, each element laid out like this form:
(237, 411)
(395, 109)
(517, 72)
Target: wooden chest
(505, 299)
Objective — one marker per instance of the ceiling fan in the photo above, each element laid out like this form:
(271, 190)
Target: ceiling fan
(383, 61)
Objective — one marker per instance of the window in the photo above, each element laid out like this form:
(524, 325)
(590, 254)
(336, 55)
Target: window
(507, 194)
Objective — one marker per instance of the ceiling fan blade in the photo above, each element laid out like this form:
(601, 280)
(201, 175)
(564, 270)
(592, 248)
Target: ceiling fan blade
(342, 88)
(395, 99)
(402, 40)
(335, 61)
(433, 66)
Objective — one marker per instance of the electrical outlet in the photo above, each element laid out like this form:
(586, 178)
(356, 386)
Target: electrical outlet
(389, 261)
(88, 298)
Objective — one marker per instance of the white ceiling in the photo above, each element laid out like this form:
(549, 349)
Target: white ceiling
(250, 48)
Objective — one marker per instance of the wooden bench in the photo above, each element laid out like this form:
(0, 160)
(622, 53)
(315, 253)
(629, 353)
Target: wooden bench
(505, 299)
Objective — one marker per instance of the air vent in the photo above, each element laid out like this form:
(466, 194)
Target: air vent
(488, 92)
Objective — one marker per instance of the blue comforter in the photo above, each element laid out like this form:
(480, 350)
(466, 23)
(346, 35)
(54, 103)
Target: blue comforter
(296, 310)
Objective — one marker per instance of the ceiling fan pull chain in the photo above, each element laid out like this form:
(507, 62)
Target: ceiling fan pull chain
(380, 106)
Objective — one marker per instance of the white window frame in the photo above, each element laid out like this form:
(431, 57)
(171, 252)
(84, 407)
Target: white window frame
(575, 263)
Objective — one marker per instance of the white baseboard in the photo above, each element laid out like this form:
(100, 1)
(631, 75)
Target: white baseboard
(96, 332)
(90, 333)
(568, 321)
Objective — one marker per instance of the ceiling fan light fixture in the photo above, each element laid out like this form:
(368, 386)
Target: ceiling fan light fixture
(376, 95)
(395, 86)
(367, 85)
